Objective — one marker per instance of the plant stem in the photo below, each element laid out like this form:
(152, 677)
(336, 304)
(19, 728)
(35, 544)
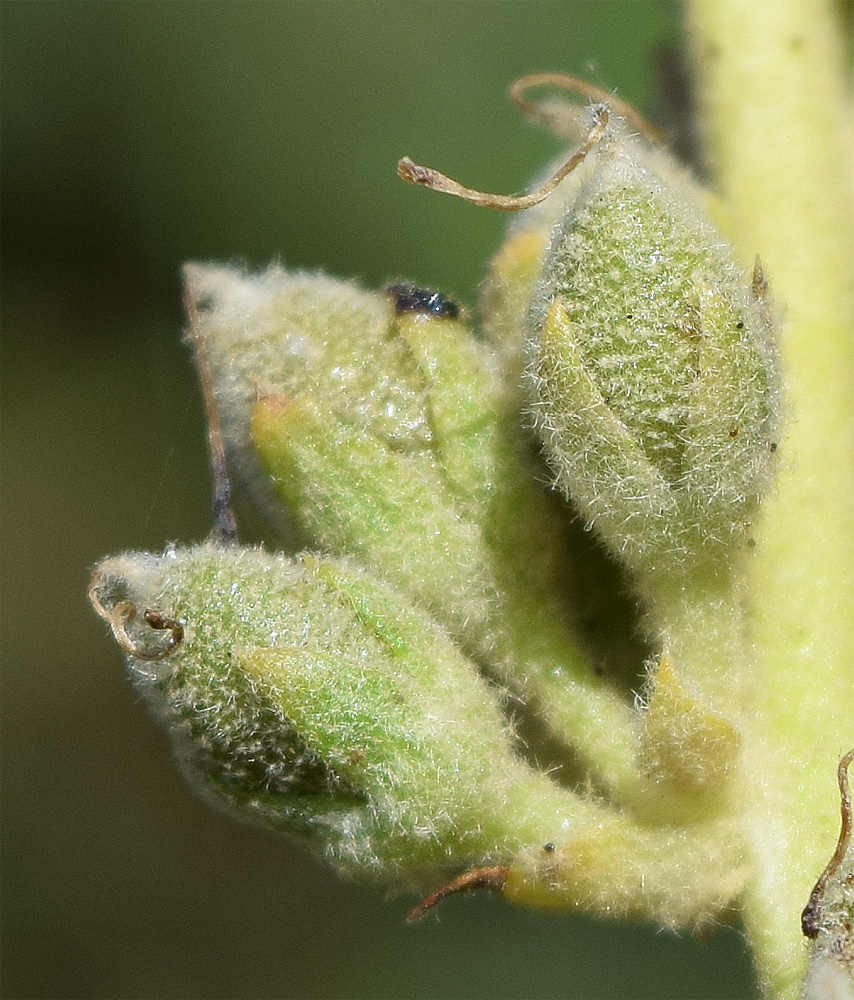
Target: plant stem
(771, 77)
(700, 618)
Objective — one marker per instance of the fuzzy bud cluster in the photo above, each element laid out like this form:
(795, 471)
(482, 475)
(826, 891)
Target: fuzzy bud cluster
(375, 425)
(363, 692)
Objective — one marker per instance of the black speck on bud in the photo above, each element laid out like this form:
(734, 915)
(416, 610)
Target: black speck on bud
(411, 298)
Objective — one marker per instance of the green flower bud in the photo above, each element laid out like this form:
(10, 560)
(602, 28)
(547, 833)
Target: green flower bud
(304, 695)
(653, 370)
(339, 418)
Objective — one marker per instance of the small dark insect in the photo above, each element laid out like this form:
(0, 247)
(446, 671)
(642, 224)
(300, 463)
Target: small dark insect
(411, 298)
(548, 848)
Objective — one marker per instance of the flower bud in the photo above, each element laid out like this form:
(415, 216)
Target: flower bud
(303, 694)
(652, 366)
(363, 422)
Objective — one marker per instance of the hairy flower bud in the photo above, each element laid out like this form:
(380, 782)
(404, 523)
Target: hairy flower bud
(362, 422)
(303, 694)
(652, 365)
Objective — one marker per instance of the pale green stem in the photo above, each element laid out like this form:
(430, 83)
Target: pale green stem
(776, 115)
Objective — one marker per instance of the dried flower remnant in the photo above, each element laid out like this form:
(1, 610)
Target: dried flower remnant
(828, 918)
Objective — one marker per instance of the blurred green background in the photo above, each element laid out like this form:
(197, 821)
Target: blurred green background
(137, 136)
